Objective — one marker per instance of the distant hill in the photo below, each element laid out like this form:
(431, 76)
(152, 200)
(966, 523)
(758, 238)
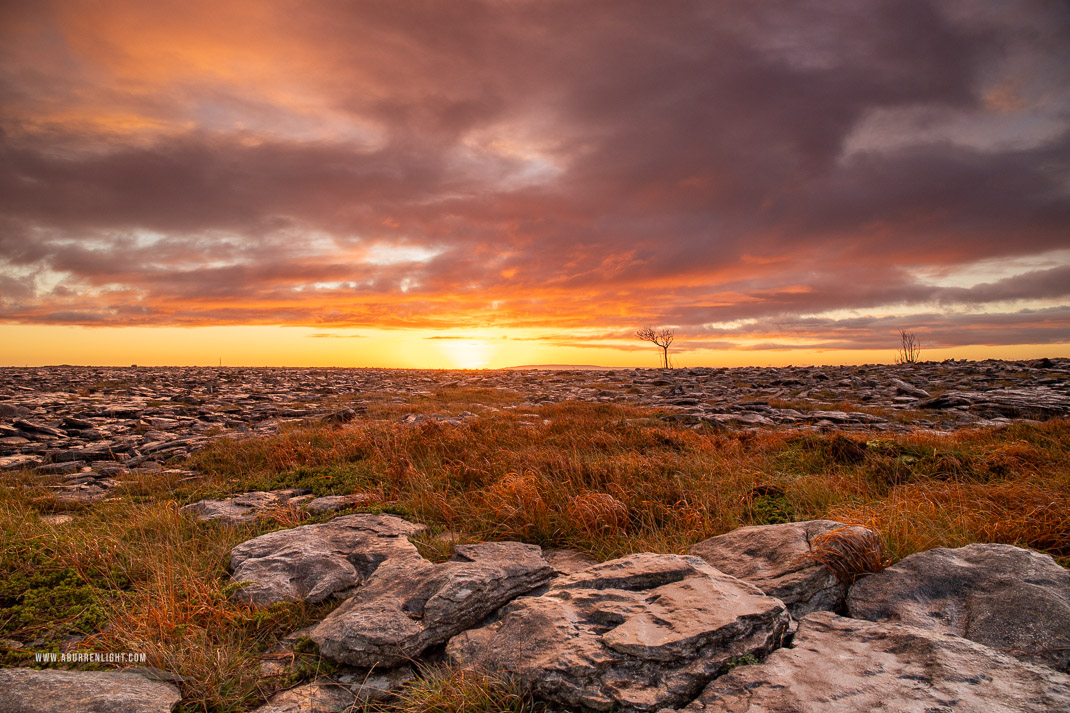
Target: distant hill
(567, 367)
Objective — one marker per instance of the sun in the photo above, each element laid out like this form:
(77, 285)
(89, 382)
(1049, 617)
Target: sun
(467, 353)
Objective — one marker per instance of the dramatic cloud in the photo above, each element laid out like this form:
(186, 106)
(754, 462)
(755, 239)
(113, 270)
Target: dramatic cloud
(755, 175)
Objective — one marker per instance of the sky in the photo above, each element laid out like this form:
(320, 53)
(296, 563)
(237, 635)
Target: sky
(490, 183)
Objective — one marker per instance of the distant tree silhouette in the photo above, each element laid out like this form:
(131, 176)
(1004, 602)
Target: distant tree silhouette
(909, 348)
(663, 338)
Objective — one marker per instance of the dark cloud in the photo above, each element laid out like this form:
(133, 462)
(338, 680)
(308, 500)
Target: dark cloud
(551, 165)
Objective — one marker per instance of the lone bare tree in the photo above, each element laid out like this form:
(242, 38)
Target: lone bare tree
(663, 338)
(909, 348)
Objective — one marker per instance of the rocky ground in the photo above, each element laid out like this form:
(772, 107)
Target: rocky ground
(733, 626)
(60, 419)
(785, 617)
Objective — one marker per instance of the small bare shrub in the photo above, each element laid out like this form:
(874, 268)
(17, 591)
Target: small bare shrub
(909, 348)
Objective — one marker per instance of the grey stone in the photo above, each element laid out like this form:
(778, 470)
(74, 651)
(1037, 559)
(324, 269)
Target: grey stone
(411, 604)
(330, 503)
(637, 633)
(84, 488)
(568, 561)
(24, 690)
(840, 665)
(317, 697)
(43, 429)
(906, 389)
(313, 562)
(1006, 597)
(19, 461)
(338, 693)
(775, 559)
(240, 508)
(8, 410)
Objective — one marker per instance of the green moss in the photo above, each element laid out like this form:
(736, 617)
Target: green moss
(737, 661)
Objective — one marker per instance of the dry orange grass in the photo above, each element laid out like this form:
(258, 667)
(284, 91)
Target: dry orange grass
(605, 479)
(599, 513)
(494, 478)
(849, 552)
(160, 580)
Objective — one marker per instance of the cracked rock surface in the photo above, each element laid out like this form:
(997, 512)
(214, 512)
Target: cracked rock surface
(840, 665)
(774, 558)
(23, 690)
(410, 604)
(637, 633)
(313, 562)
(1005, 597)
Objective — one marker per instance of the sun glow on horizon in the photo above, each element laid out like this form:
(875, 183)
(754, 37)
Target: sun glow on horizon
(467, 353)
(279, 346)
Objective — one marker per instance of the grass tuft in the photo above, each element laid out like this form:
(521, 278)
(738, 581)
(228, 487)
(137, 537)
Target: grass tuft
(447, 689)
(849, 552)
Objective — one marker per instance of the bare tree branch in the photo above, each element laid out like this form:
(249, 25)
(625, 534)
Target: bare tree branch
(909, 348)
(662, 338)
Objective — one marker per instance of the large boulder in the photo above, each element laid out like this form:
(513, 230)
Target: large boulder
(1006, 597)
(313, 562)
(24, 690)
(409, 604)
(839, 665)
(637, 633)
(778, 559)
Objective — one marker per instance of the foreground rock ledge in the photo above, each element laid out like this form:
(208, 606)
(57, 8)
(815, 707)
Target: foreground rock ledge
(637, 633)
(409, 605)
(774, 558)
(840, 665)
(1006, 597)
(24, 690)
(313, 562)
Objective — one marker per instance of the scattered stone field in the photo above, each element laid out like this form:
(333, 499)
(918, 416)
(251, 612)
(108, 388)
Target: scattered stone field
(88, 424)
(60, 419)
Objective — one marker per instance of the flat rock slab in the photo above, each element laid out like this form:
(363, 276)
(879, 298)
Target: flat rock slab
(775, 559)
(410, 605)
(23, 690)
(313, 562)
(331, 503)
(1006, 597)
(90, 487)
(568, 561)
(339, 694)
(638, 633)
(241, 508)
(19, 461)
(839, 665)
(310, 698)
